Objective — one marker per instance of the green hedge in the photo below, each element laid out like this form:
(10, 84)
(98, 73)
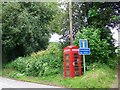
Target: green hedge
(42, 63)
(99, 48)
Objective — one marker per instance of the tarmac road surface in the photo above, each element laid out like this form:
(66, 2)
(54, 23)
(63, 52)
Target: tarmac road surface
(9, 83)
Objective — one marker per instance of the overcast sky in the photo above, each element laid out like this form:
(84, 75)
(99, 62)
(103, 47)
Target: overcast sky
(55, 38)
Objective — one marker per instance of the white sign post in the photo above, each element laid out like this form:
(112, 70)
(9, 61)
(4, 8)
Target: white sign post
(84, 63)
(84, 57)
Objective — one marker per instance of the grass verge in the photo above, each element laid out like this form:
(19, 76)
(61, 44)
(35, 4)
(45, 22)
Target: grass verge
(0, 72)
(98, 78)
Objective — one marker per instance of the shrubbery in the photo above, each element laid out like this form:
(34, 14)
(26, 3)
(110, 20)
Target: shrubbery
(25, 28)
(98, 77)
(100, 48)
(41, 63)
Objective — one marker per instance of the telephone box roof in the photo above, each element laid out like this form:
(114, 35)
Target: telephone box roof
(71, 47)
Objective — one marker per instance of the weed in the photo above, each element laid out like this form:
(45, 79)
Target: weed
(101, 77)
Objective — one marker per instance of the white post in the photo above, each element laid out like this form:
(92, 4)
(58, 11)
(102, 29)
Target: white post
(84, 58)
(84, 63)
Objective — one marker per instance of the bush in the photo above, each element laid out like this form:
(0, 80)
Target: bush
(112, 63)
(118, 56)
(25, 28)
(41, 63)
(100, 51)
(93, 66)
(15, 74)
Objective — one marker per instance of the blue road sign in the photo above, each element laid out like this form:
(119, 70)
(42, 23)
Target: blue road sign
(84, 51)
(83, 43)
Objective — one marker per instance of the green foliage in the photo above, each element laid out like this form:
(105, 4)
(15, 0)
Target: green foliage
(15, 74)
(113, 62)
(93, 66)
(96, 14)
(42, 63)
(97, 78)
(93, 12)
(118, 52)
(56, 24)
(0, 72)
(100, 51)
(25, 27)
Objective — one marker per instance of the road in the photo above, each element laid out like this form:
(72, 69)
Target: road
(9, 83)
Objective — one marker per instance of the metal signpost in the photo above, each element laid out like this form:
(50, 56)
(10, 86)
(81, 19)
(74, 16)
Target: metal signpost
(84, 50)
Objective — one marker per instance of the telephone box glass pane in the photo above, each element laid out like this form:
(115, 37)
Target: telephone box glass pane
(67, 73)
(76, 67)
(76, 61)
(76, 73)
(67, 61)
(67, 57)
(75, 56)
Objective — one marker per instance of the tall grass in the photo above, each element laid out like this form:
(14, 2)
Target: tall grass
(101, 77)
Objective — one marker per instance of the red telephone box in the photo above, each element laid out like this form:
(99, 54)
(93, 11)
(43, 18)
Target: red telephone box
(72, 62)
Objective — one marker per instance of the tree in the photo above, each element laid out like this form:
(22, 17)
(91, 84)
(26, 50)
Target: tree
(25, 27)
(94, 15)
(99, 48)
